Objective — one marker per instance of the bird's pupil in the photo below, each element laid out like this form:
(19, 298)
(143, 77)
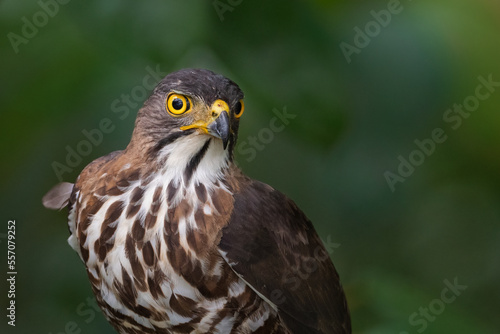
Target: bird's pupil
(177, 104)
(237, 108)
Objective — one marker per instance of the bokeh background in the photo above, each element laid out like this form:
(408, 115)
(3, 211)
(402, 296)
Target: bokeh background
(353, 117)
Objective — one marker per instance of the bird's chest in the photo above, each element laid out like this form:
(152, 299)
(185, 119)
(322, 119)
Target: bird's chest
(151, 254)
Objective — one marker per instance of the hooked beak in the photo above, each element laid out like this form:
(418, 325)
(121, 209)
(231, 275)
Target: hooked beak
(218, 125)
(220, 128)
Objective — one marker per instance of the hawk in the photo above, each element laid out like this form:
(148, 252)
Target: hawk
(176, 239)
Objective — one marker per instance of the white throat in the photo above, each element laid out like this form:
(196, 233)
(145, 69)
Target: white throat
(179, 155)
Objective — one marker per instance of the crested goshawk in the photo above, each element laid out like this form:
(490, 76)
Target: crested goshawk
(176, 239)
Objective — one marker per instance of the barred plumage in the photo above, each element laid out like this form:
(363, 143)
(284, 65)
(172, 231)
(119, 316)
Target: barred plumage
(176, 239)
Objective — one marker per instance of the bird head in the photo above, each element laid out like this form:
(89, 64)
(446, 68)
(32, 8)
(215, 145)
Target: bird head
(191, 102)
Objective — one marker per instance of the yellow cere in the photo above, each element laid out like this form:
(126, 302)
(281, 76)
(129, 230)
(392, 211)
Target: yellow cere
(219, 106)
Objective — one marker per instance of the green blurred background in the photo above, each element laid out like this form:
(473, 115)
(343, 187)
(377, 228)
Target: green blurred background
(352, 122)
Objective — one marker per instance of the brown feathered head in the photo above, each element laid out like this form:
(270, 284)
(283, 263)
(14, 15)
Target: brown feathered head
(189, 102)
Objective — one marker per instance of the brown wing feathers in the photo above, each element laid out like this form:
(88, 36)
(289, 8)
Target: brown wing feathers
(274, 247)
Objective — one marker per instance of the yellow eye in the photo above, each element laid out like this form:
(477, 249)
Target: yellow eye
(178, 104)
(239, 108)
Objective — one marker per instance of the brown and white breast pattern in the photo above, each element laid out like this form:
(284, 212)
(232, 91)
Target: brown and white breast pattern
(149, 246)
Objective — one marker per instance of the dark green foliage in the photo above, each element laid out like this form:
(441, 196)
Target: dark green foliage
(63, 95)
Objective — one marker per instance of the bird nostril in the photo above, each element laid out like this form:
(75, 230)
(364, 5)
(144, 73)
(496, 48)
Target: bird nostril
(214, 114)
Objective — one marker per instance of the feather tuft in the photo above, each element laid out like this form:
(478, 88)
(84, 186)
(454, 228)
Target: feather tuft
(58, 197)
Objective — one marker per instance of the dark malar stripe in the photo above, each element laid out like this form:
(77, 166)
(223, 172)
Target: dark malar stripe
(170, 139)
(232, 142)
(195, 161)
